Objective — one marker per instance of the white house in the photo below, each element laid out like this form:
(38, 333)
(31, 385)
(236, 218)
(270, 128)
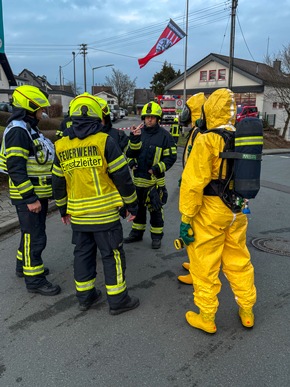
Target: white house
(251, 84)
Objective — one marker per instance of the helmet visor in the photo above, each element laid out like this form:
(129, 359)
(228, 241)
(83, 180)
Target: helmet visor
(185, 116)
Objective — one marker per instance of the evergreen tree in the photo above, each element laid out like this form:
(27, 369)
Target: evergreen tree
(163, 78)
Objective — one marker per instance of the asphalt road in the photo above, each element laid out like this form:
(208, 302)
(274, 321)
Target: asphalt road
(46, 341)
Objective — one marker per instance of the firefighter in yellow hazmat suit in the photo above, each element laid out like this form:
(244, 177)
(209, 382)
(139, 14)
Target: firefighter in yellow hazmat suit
(219, 235)
(191, 113)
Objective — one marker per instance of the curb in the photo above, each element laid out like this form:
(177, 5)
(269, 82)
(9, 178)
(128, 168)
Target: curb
(11, 224)
(275, 151)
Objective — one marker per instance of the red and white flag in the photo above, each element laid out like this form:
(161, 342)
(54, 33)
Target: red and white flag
(169, 37)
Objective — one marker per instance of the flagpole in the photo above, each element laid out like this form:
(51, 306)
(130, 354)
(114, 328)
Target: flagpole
(185, 55)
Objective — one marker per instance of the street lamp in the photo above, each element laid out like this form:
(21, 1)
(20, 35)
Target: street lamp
(98, 67)
(74, 63)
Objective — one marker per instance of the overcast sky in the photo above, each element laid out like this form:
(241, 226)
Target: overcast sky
(41, 35)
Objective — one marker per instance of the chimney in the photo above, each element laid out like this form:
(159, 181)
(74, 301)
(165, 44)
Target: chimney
(257, 68)
(277, 65)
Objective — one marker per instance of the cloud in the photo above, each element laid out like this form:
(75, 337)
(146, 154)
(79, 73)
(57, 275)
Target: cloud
(41, 35)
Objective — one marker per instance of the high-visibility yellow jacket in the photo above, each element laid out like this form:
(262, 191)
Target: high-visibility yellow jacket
(91, 179)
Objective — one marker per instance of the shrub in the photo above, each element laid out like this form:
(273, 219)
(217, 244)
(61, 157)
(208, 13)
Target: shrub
(3, 118)
(55, 110)
(49, 124)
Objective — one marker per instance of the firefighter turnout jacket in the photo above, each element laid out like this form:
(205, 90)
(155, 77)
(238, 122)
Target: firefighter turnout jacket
(27, 156)
(175, 129)
(154, 149)
(91, 179)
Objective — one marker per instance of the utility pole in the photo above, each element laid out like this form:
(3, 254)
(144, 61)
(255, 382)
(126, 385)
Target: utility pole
(74, 63)
(185, 56)
(232, 42)
(84, 52)
(60, 79)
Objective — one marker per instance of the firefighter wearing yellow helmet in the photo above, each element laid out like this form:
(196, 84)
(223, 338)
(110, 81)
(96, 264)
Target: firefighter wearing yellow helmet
(214, 234)
(175, 130)
(27, 157)
(91, 182)
(151, 152)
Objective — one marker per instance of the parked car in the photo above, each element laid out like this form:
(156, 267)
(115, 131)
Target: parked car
(122, 113)
(112, 116)
(115, 110)
(5, 107)
(246, 111)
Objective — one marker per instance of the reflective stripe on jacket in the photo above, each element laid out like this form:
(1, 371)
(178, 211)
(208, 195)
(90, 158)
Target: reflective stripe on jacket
(90, 195)
(27, 156)
(154, 149)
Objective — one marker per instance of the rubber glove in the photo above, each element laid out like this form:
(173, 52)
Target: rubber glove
(186, 233)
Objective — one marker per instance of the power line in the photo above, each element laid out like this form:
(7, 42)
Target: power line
(134, 36)
(245, 39)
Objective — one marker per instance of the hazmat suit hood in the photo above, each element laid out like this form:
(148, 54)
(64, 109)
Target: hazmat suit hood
(195, 104)
(220, 109)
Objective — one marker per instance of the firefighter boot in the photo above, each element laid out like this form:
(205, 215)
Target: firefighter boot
(247, 317)
(48, 289)
(156, 244)
(185, 279)
(185, 265)
(203, 321)
(131, 303)
(95, 297)
(134, 237)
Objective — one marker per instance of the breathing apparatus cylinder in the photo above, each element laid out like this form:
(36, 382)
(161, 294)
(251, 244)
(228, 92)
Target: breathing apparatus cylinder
(179, 244)
(247, 166)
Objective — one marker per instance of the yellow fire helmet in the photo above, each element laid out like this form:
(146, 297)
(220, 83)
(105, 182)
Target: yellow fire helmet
(30, 98)
(151, 109)
(104, 105)
(85, 105)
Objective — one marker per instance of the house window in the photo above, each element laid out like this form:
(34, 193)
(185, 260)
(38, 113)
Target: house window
(212, 75)
(281, 105)
(275, 105)
(246, 99)
(203, 76)
(222, 74)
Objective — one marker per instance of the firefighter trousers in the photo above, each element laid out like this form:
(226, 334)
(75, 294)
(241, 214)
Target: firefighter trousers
(110, 245)
(156, 217)
(32, 243)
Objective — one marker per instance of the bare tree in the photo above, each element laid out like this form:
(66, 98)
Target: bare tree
(279, 80)
(122, 86)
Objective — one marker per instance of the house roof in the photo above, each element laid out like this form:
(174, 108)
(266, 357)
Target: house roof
(259, 72)
(41, 82)
(99, 89)
(62, 88)
(142, 96)
(112, 96)
(7, 69)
